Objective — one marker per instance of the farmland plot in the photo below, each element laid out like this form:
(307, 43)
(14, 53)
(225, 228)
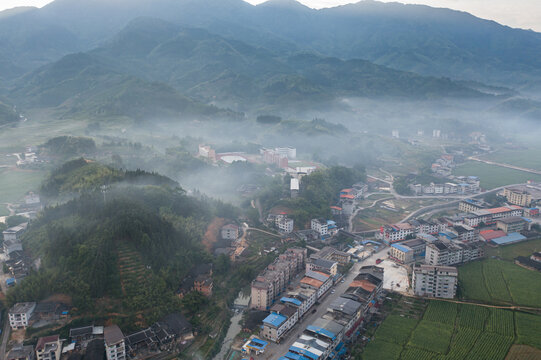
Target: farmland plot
(441, 311)
(432, 336)
(501, 322)
(490, 347)
(473, 317)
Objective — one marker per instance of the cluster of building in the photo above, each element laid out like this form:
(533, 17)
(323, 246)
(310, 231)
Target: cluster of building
(348, 197)
(325, 337)
(446, 163)
(273, 281)
(465, 185)
(96, 341)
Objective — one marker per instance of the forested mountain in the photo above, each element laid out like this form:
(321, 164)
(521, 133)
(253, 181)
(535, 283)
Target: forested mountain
(142, 72)
(79, 84)
(426, 40)
(83, 243)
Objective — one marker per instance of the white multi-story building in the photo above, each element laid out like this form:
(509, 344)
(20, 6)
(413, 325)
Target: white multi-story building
(14, 233)
(397, 232)
(230, 232)
(320, 225)
(489, 216)
(20, 314)
(435, 281)
(282, 318)
(115, 347)
(284, 224)
(443, 253)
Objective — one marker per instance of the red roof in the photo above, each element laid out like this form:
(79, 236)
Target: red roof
(347, 196)
(491, 234)
(336, 208)
(503, 209)
(346, 190)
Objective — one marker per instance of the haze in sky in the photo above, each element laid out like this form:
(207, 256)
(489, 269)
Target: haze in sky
(516, 13)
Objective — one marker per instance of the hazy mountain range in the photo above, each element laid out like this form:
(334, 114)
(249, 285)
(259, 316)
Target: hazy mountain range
(178, 56)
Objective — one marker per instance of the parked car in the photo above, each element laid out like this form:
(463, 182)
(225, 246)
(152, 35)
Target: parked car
(378, 261)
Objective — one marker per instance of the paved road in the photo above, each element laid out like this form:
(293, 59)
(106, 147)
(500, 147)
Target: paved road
(274, 351)
(5, 338)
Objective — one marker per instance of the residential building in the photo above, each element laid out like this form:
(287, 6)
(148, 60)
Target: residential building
(531, 212)
(203, 283)
(513, 224)
(207, 152)
(20, 352)
(327, 266)
(85, 333)
(517, 197)
(320, 225)
(272, 281)
(435, 281)
(445, 253)
(317, 280)
(471, 205)
(20, 314)
(394, 233)
(230, 232)
(302, 298)
(115, 347)
(332, 254)
(464, 233)
(14, 233)
(282, 318)
(11, 246)
(346, 312)
(490, 216)
(408, 251)
(48, 348)
(284, 224)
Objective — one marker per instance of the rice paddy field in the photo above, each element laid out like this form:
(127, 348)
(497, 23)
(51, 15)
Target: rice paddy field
(450, 331)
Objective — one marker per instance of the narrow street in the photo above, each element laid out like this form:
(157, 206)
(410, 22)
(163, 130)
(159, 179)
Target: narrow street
(274, 351)
(5, 338)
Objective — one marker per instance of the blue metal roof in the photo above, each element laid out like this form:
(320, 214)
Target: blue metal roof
(319, 330)
(275, 319)
(510, 238)
(258, 344)
(304, 352)
(291, 300)
(401, 247)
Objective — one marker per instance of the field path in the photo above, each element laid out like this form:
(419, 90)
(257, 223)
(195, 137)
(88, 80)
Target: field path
(511, 307)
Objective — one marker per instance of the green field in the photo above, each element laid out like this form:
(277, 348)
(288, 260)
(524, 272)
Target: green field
(500, 282)
(449, 331)
(529, 329)
(15, 183)
(381, 350)
(396, 329)
(510, 252)
(493, 176)
(527, 158)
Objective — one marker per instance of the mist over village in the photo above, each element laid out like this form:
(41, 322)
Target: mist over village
(225, 180)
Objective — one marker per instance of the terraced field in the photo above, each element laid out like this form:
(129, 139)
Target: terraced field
(133, 274)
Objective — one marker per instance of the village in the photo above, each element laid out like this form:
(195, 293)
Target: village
(312, 301)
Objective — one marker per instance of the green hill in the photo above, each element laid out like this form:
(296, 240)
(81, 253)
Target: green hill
(82, 85)
(94, 246)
